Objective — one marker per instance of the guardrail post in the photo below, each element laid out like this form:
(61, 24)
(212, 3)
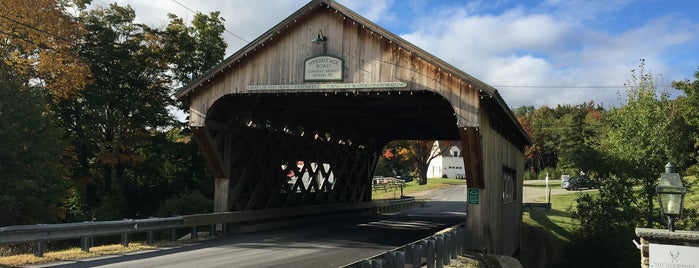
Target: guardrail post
(390, 258)
(39, 248)
(447, 248)
(460, 240)
(439, 250)
(417, 256)
(408, 249)
(454, 245)
(212, 230)
(85, 243)
(400, 259)
(125, 239)
(377, 263)
(224, 229)
(149, 237)
(194, 234)
(430, 253)
(173, 234)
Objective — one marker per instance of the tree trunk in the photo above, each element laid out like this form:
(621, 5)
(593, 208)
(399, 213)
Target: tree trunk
(650, 194)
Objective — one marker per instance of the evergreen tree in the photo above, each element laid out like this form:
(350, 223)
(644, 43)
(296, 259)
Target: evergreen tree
(32, 177)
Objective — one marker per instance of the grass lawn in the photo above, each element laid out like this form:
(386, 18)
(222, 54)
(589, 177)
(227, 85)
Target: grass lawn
(542, 183)
(411, 188)
(559, 222)
(71, 254)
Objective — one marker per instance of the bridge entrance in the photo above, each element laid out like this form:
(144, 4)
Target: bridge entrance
(287, 122)
(291, 149)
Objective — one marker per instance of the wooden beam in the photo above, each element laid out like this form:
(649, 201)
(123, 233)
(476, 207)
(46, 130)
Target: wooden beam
(208, 149)
(473, 157)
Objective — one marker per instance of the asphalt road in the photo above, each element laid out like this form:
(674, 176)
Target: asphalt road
(324, 243)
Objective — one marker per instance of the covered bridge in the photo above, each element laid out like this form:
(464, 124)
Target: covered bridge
(300, 116)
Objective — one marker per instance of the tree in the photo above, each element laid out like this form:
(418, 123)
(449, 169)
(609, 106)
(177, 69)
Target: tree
(580, 131)
(424, 154)
(113, 118)
(32, 177)
(607, 224)
(37, 46)
(119, 124)
(690, 111)
(193, 50)
(397, 159)
(645, 134)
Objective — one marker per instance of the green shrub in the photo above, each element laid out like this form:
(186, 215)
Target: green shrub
(185, 204)
(528, 175)
(111, 208)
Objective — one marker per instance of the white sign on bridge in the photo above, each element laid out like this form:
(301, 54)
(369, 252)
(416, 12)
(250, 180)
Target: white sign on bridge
(329, 86)
(323, 68)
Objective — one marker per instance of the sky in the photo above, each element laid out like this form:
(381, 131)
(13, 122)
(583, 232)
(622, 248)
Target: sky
(549, 52)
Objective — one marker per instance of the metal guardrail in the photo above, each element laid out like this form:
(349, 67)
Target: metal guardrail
(39, 234)
(63, 231)
(435, 251)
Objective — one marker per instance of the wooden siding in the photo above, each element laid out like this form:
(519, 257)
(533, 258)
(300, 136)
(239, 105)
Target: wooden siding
(494, 226)
(368, 56)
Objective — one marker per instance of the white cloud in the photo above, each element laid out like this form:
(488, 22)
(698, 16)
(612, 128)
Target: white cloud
(552, 43)
(517, 51)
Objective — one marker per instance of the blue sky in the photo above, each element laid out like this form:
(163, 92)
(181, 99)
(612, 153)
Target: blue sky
(534, 52)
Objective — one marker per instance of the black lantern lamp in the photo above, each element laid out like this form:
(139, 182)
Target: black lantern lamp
(320, 38)
(319, 43)
(670, 193)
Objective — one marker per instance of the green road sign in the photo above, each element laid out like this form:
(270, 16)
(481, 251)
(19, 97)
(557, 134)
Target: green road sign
(473, 196)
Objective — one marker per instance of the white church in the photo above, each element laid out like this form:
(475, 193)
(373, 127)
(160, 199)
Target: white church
(448, 162)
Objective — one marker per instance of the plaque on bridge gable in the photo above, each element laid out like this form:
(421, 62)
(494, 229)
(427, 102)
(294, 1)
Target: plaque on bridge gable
(323, 68)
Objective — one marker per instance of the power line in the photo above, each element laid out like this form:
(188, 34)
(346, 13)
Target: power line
(561, 86)
(571, 86)
(34, 28)
(26, 39)
(224, 28)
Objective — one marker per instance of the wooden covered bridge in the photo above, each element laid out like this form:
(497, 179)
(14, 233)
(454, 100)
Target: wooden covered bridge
(301, 114)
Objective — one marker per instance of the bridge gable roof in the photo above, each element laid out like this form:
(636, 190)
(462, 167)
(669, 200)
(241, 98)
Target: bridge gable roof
(294, 25)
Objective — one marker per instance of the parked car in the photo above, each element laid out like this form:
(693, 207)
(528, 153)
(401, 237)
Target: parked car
(579, 182)
(405, 178)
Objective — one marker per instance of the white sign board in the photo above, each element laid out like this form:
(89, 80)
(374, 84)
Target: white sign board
(673, 256)
(323, 68)
(374, 85)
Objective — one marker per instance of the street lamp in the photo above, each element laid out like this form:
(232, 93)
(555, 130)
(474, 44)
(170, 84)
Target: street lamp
(670, 193)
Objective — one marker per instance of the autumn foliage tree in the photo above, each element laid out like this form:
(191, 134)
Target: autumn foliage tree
(397, 159)
(119, 124)
(38, 40)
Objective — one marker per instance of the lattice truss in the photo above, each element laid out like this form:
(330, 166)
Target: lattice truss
(270, 166)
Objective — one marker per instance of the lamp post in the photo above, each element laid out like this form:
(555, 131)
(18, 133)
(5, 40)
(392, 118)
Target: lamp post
(670, 191)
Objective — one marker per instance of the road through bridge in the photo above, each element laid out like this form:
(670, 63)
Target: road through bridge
(321, 243)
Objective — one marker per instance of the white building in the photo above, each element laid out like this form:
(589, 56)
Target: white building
(448, 162)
